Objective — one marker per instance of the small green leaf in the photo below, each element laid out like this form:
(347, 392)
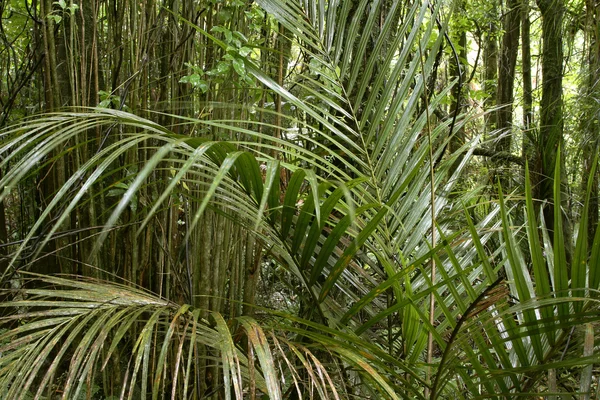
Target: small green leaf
(244, 51)
(196, 81)
(239, 67)
(226, 32)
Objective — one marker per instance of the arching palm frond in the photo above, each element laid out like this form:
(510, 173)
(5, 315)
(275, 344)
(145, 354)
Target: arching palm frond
(538, 317)
(87, 325)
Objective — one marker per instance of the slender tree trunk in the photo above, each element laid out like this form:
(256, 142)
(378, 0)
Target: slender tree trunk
(528, 122)
(506, 80)
(458, 70)
(551, 113)
(591, 140)
(490, 57)
(52, 175)
(89, 78)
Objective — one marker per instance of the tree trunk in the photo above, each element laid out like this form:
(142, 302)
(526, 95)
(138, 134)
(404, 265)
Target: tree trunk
(490, 58)
(591, 139)
(506, 81)
(52, 176)
(551, 120)
(528, 122)
(458, 70)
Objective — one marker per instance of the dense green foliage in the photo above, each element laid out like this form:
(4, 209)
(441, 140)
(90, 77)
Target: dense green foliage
(288, 199)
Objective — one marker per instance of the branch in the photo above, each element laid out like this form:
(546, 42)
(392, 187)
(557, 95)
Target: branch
(499, 155)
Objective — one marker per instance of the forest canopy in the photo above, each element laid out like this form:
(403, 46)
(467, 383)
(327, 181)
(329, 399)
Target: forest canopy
(290, 199)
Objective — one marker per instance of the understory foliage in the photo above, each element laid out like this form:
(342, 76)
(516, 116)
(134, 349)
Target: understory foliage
(140, 275)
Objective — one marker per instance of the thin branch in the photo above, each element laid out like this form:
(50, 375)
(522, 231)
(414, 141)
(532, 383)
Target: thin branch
(499, 155)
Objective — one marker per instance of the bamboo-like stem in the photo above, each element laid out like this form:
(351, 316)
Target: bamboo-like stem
(433, 238)
(280, 83)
